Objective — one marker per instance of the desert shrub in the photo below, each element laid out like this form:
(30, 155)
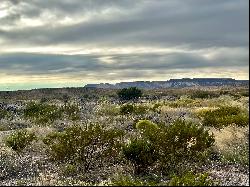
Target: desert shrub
(4, 113)
(140, 109)
(191, 179)
(156, 107)
(72, 112)
(177, 142)
(169, 144)
(20, 139)
(127, 109)
(129, 93)
(42, 113)
(133, 109)
(109, 109)
(183, 140)
(225, 116)
(148, 129)
(87, 146)
(141, 153)
(202, 94)
(146, 124)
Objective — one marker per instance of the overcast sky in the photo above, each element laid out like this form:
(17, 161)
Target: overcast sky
(64, 43)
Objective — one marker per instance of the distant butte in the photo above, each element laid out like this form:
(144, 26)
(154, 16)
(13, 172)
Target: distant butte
(173, 83)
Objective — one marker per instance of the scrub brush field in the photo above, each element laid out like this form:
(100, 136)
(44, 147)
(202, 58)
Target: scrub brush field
(127, 137)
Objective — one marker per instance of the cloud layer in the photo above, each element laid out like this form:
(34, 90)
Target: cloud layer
(107, 40)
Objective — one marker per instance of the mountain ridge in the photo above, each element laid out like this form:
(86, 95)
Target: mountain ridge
(173, 83)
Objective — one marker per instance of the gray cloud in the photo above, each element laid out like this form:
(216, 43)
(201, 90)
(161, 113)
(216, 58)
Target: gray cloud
(208, 34)
(161, 23)
(27, 63)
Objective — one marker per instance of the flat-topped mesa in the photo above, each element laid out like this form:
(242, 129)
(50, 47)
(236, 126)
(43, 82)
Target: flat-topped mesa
(173, 83)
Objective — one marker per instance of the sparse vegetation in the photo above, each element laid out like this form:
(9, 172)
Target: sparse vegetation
(158, 137)
(87, 146)
(20, 139)
(225, 116)
(191, 179)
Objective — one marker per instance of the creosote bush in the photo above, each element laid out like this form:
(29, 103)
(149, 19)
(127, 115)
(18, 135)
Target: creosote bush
(127, 109)
(224, 116)
(20, 139)
(148, 129)
(169, 145)
(129, 93)
(42, 113)
(141, 153)
(182, 141)
(88, 146)
(133, 109)
(202, 94)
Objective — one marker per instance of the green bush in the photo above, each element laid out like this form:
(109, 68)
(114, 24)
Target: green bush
(129, 93)
(168, 144)
(141, 153)
(156, 107)
(42, 113)
(127, 109)
(183, 140)
(148, 129)
(191, 179)
(20, 139)
(133, 109)
(176, 142)
(87, 146)
(202, 94)
(109, 110)
(146, 124)
(225, 116)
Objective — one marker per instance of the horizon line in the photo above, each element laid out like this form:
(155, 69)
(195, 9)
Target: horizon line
(30, 89)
